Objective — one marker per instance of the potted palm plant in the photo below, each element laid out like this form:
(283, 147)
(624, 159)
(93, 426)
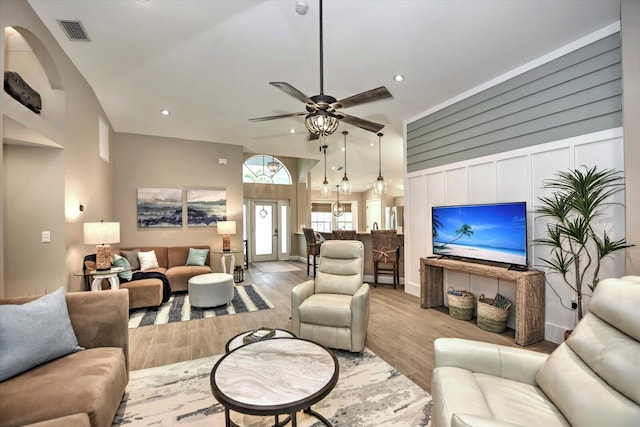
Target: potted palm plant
(577, 247)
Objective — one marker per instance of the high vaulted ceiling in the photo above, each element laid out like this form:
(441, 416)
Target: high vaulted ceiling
(210, 63)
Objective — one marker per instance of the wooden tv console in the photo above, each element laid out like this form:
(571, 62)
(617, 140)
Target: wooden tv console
(530, 288)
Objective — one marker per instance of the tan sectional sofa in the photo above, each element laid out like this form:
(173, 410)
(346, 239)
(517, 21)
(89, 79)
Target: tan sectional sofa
(172, 263)
(83, 388)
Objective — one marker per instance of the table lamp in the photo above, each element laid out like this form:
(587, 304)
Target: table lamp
(226, 229)
(102, 234)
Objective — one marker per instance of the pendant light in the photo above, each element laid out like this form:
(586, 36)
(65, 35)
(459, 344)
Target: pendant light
(337, 209)
(345, 187)
(273, 166)
(379, 186)
(325, 190)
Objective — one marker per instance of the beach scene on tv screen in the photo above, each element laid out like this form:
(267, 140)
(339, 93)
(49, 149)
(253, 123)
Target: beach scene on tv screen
(485, 232)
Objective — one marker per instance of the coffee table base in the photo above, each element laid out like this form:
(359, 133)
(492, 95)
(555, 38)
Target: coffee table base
(290, 418)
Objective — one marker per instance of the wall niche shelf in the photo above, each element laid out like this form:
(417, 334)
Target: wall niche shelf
(27, 55)
(530, 292)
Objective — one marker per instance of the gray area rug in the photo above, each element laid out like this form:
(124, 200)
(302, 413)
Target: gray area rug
(247, 298)
(275, 266)
(369, 393)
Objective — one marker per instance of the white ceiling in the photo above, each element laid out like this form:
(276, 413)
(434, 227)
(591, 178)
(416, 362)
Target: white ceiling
(210, 63)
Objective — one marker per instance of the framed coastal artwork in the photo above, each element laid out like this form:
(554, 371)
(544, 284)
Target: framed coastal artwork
(206, 206)
(159, 207)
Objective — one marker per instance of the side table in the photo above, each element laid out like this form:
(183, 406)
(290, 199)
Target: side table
(232, 259)
(98, 275)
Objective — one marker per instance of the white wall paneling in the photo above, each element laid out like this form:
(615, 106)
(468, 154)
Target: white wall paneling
(416, 214)
(513, 176)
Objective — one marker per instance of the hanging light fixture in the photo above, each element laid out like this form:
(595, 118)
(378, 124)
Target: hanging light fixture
(321, 123)
(345, 187)
(337, 209)
(379, 186)
(273, 166)
(325, 190)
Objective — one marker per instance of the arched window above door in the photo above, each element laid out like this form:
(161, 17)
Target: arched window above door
(263, 169)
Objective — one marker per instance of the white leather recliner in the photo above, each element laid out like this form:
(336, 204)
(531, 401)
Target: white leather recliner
(333, 309)
(591, 380)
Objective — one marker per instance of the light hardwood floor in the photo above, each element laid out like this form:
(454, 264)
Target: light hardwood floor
(400, 332)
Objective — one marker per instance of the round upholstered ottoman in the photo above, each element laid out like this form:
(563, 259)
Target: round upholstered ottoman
(211, 290)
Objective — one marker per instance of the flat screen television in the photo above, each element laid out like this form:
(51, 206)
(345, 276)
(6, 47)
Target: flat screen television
(490, 232)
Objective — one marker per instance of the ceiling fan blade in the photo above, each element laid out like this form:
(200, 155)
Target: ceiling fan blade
(313, 137)
(281, 116)
(286, 87)
(361, 123)
(361, 98)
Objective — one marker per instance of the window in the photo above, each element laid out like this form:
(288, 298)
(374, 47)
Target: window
(322, 219)
(257, 169)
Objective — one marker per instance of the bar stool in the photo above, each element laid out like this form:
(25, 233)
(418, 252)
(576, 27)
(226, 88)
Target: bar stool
(386, 250)
(343, 234)
(313, 248)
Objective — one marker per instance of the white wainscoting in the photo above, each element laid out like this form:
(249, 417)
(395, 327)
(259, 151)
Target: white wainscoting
(508, 177)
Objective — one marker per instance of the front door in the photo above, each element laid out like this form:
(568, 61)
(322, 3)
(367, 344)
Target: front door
(264, 216)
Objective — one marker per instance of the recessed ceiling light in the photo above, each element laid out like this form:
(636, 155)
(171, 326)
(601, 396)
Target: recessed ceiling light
(398, 77)
(292, 131)
(165, 112)
(302, 7)
(371, 145)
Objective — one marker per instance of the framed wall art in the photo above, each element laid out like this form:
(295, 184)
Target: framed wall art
(159, 207)
(206, 206)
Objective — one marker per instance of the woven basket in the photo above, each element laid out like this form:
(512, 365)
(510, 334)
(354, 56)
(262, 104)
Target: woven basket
(460, 306)
(493, 313)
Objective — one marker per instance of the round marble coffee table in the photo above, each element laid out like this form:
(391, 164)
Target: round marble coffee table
(274, 377)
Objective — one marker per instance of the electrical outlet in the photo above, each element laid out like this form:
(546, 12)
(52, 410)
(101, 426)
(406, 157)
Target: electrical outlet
(574, 305)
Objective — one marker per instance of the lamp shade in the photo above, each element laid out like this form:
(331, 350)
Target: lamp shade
(98, 233)
(226, 227)
(101, 234)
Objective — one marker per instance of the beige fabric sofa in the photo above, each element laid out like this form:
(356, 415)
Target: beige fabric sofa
(590, 380)
(172, 263)
(82, 388)
(333, 309)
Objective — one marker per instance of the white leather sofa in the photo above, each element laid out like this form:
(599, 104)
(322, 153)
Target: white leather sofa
(590, 380)
(333, 309)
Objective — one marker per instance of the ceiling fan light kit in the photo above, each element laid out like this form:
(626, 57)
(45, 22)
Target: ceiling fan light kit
(322, 117)
(321, 123)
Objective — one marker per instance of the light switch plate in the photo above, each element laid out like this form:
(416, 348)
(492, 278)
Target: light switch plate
(46, 237)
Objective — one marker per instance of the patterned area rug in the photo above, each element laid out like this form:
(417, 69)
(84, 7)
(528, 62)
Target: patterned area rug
(369, 393)
(275, 266)
(247, 298)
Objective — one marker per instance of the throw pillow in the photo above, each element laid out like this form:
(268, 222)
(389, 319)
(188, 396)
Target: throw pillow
(120, 261)
(197, 256)
(34, 333)
(148, 260)
(132, 257)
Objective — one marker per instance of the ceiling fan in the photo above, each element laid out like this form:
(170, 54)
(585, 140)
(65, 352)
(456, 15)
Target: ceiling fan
(322, 115)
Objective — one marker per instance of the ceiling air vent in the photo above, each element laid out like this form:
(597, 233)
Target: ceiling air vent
(74, 31)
